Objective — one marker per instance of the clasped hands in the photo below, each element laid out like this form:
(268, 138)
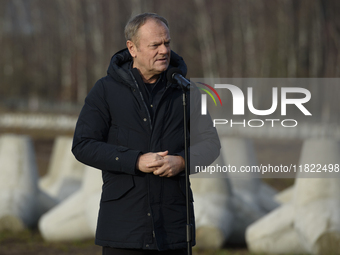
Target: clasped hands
(160, 163)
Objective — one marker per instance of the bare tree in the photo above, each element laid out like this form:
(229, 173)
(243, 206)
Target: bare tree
(206, 39)
(56, 50)
(96, 38)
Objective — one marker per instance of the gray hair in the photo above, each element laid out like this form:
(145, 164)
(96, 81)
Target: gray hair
(131, 28)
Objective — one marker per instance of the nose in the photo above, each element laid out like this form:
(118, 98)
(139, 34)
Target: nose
(164, 49)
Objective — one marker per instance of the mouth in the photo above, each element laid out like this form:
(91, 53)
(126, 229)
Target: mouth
(162, 60)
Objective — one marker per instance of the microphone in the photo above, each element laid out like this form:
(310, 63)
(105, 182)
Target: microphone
(175, 75)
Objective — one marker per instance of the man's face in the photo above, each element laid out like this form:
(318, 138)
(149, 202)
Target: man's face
(152, 52)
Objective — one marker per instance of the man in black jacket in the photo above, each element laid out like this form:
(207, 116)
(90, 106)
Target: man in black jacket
(131, 128)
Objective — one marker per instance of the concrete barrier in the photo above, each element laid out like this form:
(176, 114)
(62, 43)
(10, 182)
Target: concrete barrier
(75, 217)
(65, 173)
(317, 200)
(308, 221)
(240, 152)
(213, 213)
(21, 202)
(275, 233)
(225, 207)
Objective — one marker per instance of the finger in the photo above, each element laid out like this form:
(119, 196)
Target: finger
(162, 153)
(157, 163)
(160, 172)
(158, 157)
(165, 174)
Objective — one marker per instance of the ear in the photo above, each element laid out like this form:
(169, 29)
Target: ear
(132, 48)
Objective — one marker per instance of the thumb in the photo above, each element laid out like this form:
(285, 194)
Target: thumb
(162, 153)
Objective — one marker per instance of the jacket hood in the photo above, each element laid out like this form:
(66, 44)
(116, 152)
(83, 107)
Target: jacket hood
(120, 63)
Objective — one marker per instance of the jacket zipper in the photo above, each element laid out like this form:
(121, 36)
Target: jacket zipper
(162, 179)
(166, 88)
(147, 110)
(148, 179)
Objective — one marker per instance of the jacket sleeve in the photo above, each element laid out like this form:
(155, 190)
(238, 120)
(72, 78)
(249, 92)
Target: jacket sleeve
(90, 137)
(204, 144)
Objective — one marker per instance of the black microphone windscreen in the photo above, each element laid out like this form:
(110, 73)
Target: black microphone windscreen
(170, 72)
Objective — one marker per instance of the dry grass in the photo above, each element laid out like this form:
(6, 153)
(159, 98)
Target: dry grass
(30, 242)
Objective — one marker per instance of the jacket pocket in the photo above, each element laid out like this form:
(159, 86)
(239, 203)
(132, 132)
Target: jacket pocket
(117, 187)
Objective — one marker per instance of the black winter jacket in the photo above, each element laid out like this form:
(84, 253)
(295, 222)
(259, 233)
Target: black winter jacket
(137, 210)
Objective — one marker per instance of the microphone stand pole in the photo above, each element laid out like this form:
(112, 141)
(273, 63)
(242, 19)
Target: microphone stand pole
(187, 182)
